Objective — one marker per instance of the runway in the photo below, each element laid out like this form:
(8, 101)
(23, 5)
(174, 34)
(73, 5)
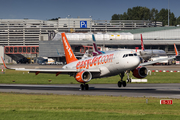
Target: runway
(132, 90)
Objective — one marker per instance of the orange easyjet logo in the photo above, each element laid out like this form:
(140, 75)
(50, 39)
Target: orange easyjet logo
(103, 59)
(67, 47)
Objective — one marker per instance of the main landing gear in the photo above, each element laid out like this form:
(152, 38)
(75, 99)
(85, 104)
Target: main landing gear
(84, 86)
(121, 82)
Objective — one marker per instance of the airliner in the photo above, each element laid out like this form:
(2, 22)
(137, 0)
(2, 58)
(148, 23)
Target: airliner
(103, 65)
(146, 54)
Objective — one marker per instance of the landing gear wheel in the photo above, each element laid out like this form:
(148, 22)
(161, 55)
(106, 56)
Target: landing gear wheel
(86, 87)
(119, 84)
(82, 86)
(124, 83)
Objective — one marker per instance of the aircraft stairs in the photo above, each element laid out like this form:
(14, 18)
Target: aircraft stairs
(15, 57)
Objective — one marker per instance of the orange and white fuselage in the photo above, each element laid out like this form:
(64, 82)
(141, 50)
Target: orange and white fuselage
(109, 64)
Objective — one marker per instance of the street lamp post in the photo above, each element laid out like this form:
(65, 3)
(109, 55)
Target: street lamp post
(90, 23)
(168, 12)
(69, 22)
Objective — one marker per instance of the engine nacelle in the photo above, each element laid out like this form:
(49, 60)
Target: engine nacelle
(83, 76)
(140, 72)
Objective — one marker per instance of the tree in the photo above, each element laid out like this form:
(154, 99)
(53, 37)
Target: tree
(144, 13)
(124, 16)
(172, 19)
(163, 17)
(136, 13)
(55, 18)
(115, 17)
(178, 21)
(153, 14)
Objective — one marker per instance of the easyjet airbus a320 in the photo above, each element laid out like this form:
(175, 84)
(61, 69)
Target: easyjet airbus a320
(103, 65)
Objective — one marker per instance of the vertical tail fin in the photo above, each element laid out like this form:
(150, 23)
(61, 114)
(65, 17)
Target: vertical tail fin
(95, 49)
(70, 57)
(142, 44)
(176, 51)
(4, 63)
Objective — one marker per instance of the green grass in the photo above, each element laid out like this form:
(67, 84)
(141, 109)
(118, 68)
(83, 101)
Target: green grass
(20, 77)
(73, 107)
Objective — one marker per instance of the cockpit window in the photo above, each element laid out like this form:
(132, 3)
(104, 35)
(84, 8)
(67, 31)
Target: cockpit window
(126, 55)
(135, 54)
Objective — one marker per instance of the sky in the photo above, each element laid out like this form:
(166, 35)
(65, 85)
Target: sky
(97, 9)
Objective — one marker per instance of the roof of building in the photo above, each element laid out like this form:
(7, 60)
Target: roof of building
(150, 29)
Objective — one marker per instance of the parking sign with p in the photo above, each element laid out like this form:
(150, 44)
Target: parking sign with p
(83, 24)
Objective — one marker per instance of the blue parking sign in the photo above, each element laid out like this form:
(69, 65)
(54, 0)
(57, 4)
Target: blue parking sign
(83, 24)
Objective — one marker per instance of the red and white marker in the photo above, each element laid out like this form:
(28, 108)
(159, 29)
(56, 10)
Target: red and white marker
(166, 101)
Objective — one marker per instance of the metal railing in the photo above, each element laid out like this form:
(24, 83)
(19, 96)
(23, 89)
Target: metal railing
(29, 32)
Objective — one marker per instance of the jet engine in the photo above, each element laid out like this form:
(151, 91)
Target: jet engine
(140, 72)
(83, 76)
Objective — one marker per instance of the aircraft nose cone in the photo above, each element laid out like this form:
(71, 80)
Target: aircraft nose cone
(133, 62)
(136, 61)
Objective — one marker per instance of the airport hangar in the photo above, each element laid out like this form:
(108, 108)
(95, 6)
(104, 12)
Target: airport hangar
(33, 38)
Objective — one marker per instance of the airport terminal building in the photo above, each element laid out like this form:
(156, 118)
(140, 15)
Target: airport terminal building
(30, 37)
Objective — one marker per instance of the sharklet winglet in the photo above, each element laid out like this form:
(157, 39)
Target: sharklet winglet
(4, 63)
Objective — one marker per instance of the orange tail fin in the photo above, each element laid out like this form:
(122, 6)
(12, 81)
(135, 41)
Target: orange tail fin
(176, 51)
(70, 57)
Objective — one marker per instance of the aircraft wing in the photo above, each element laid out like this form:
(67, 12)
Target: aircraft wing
(156, 61)
(56, 71)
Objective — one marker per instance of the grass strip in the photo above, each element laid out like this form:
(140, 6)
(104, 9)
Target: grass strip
(65, 107)
(19, 77)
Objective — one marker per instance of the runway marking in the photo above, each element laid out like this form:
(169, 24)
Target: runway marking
(165, 71)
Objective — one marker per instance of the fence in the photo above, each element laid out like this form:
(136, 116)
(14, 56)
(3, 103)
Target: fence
(29, 32)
